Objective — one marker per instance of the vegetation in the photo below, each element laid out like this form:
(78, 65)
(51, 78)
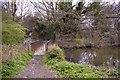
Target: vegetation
(65, 6)
(94, 24)
(74, 70)
(12, 51)
(85, 25)
(90, 25)
(11, 67)
(55, 53)
(12, 32)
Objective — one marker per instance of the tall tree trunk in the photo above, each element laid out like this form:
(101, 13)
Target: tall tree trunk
(14, 9)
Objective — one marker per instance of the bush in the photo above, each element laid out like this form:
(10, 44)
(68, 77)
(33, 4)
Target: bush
(12, 32)
(55, 53)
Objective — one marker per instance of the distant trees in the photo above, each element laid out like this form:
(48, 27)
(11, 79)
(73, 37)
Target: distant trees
(65, 6)
(88, 23)
(118, 7)
(56, 19)
(10, 7)
(59, 21)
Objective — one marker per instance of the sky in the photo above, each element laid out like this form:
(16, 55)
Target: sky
(88, 1)
(73, 2)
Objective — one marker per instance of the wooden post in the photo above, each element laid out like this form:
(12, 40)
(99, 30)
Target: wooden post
(48, 42)
(44, 47)
(28, 43)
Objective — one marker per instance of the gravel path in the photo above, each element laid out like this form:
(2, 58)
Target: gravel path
(36, 69)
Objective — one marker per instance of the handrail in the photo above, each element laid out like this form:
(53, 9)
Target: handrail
(40, 43)
(46, 45)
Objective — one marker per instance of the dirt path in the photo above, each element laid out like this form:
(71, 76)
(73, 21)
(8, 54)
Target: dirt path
(36, 69)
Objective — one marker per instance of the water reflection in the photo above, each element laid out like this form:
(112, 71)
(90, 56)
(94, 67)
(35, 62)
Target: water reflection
(106, 56)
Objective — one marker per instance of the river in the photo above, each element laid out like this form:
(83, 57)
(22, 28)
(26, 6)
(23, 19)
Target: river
(104, 56)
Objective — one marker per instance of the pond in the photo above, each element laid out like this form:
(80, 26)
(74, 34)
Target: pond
(104, 56)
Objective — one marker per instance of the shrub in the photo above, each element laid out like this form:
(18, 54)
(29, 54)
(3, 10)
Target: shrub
(12, 32)
(55, 53)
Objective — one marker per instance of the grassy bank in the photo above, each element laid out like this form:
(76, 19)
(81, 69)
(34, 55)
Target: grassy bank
(55, 59)
(12, 67)
(11, 51)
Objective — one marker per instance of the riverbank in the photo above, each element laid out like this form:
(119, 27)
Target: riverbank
(88, 46)
(102, 56)
(55, 59)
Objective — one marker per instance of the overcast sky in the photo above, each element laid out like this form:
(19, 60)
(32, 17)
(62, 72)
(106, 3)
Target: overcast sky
(73, 2)
(88, 1)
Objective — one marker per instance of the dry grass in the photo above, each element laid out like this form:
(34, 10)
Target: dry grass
(51, 46)
(10, 51)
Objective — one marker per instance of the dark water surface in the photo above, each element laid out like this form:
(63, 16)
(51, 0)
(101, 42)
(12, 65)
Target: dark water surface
(105, 56)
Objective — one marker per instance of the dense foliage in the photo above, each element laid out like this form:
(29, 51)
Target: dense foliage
(12, 33)
(11, 67)
(74, 70)
(65, 6)
(55, 53)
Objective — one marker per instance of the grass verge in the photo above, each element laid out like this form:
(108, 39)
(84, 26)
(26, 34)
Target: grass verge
(55, 59)
(11, 67)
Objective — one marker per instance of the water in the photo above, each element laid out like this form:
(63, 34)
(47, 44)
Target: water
(105, 56)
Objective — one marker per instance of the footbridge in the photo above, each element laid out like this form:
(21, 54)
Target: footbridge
(40, 47)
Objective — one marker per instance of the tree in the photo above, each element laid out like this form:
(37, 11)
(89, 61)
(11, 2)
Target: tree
(57, 21)
(12, 32)
(65, 6)
(89, 23)
(10, 7)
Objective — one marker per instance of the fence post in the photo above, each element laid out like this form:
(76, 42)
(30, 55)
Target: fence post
(28, 43)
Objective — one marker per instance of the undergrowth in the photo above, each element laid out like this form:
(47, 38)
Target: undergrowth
(74, 70)
(11, 51)
(11, 67)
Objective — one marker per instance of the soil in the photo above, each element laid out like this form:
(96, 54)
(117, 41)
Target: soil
(36, 69)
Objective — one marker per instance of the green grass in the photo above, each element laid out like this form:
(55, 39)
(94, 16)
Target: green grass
(74, 70)
(12, 67)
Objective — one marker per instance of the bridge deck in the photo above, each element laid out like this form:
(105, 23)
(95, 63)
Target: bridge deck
(41, 50)
(40, 47)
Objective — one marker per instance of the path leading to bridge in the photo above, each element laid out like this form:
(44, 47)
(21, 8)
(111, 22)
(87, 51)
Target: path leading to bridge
(36, 68)
(40, 47)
